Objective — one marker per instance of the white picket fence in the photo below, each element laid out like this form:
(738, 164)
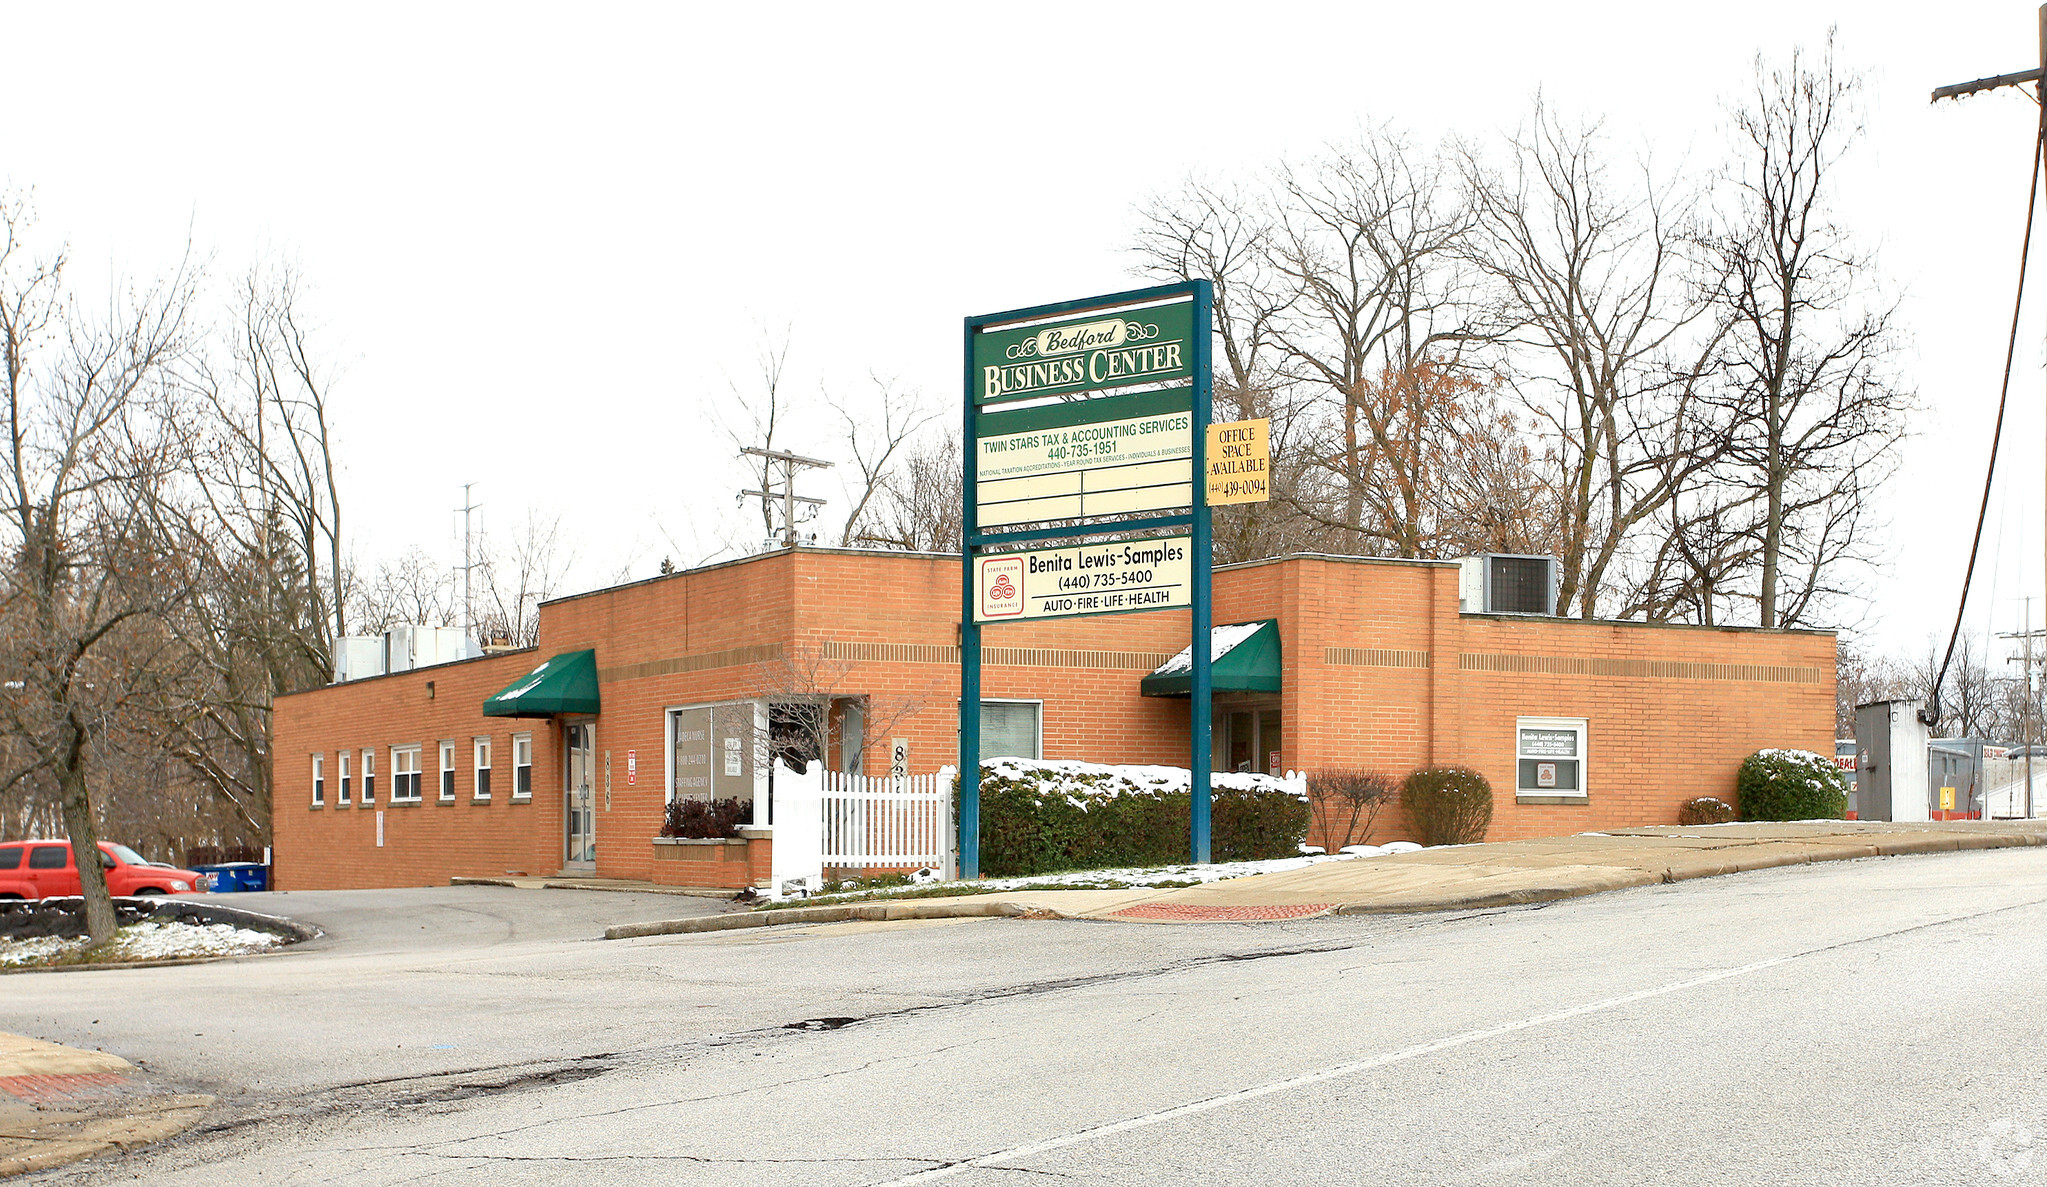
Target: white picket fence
(826, 819)
(886, 822)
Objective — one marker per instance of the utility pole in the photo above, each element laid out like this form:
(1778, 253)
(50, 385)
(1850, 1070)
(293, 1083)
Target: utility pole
(2025, 659)
(787, 496)
(1961, 90)
(467, 508)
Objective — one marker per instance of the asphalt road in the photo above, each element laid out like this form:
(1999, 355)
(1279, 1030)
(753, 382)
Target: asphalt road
(1874, 1021)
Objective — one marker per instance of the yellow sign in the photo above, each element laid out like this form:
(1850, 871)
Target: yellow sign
(1239, 462)
(1947, 799)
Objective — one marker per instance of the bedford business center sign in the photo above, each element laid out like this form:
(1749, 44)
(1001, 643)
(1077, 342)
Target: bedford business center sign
(1088, 420)
(1086, 354)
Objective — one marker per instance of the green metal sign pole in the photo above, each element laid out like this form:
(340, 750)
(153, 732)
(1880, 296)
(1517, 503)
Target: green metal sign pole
(970, 642)
(1200, 691)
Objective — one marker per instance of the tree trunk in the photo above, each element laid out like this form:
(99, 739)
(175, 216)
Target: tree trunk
(84, 834)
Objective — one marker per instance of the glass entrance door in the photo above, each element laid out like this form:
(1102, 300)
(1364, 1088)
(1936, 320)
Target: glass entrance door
(579, 746)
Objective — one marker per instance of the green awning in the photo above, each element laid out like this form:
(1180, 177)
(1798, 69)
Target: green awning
(565, 684)
(1242, 657)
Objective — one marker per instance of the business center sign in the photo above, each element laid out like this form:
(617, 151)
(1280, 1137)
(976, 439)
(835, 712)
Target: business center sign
(1086, 354)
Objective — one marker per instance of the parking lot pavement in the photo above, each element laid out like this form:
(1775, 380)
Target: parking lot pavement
(359, 922)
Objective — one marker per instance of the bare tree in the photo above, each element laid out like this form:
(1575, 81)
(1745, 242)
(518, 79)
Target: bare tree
(519, 575)
(920, 501)
(1609, 318)
(814, 703)
(1224, 233)
(1815, 399)
(89, 405)
(413, 589)
(1372, 240)
(875, 442)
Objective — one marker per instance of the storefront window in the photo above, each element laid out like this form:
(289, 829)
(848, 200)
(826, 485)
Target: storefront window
(1011, 729)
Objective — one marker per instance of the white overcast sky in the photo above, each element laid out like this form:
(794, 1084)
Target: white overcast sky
(543, 243)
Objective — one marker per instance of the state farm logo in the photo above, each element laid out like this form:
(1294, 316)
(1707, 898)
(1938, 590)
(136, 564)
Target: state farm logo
(1002, 588)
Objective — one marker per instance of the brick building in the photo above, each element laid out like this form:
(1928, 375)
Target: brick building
(640, 692)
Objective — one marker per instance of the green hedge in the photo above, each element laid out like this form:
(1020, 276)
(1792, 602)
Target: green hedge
(1791, 785)
(1043, 818)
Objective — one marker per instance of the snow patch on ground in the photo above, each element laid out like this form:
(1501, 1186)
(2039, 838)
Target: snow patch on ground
(148, 940)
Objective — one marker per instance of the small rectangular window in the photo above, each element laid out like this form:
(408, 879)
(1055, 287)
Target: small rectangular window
(319, 780)
(10, 857)
(483, 768)
(405, 774)
(341, 769)
(49, 857)
(447, 772)
(1010, 729)
(522, 766)
(1549, 756)
(369, 776)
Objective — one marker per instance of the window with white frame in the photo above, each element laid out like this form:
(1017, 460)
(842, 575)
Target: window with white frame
(447, 772)
(341, 769)
(369, 776)
(319, 780)
(481, 749)
(522, 766)
(1549, 756)
(1012, 729)
(404, 774)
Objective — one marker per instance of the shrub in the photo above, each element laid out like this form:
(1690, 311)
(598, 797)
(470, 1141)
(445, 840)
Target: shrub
(1044, 817)
(1347, 804)
(1448, 805)
(703, 819)
(1705, 810)
(1791, 785)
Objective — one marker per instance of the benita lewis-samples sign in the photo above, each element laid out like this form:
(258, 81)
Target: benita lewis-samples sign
(1153, 574)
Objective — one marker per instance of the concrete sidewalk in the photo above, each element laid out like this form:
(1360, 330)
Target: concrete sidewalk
(1467, 877)
(60, 1104)
(1453, 878)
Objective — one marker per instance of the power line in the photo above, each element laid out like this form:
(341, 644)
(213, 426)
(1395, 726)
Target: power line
(2037, 76)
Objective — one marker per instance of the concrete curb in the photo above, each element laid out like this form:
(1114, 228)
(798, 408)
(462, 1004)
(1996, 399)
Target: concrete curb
(60, 1143)
(64, 1104)
(558, 884)
(979, 908)
(1727, 861)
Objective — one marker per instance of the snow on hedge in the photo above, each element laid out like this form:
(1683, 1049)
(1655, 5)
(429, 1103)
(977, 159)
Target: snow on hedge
(1819, 762)
(1083, 784)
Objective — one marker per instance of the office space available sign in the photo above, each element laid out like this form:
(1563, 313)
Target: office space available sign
(1239, 460)
(1154, 574)
(1097, 352)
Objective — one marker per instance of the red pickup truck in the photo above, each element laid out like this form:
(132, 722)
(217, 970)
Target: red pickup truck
(43, 869)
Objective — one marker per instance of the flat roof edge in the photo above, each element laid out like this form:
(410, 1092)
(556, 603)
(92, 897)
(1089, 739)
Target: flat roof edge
(451, 663)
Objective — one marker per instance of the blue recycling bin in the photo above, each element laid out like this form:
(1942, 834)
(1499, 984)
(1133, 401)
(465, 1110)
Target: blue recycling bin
(233, 876)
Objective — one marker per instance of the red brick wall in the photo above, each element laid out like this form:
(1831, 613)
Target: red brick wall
(885, 625)
(428, 842)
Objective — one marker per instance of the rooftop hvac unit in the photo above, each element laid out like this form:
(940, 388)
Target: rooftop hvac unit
(1496, 583)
